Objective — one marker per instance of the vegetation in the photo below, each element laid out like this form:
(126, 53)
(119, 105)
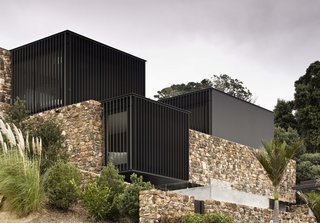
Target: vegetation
(110, 178)
(97, 200)
(198, 218)
(300, 118)
(307, 105)
(17, 113)
(128, 203)
(48, 130)
(308, 167)
(313, 201)
(283, 115)
(52, 140)
(222, 82)
(274, 158)
(61, 184)
(20, 182)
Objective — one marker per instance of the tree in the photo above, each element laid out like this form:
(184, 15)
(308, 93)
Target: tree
(307, 105)
(290, 137)
(178, 89)
(283, 114)
(274, 158)
(232, 86)
(223, 83)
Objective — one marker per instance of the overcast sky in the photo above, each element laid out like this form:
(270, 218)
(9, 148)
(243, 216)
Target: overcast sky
(267, 44)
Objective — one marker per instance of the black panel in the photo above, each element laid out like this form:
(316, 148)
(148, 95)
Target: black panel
(199, 103)
(147, 136)
(38, 72)
(217, 113)
(67, 68)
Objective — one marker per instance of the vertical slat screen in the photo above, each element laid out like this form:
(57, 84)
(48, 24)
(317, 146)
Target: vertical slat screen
(68, 68)
(37, 72)
(158, 136)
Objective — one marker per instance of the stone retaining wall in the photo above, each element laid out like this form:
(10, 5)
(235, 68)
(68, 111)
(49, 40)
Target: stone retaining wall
(83, 129)
(155, 204)
(242, 213)
(215, 158)
(5, 76)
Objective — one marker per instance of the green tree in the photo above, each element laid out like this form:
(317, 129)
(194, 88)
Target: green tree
(283, 114)
(222, 82)
(308, 167)
(290, 137)
(178, 89)
(274, 157)
(232, 86)
(307, 105)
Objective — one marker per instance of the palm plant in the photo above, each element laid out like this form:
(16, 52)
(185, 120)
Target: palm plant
(274, 157)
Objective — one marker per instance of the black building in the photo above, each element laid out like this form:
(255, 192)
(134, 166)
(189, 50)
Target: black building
(217, 113)
(67, 68)
(147, 137)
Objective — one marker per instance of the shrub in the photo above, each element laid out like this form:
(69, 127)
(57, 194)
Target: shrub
(217, 218)
(52, 140)
(192, 218)
(17, 113)
(111, 178)
(128, 203)
(96, 200)
(61, 184)
(19, 172)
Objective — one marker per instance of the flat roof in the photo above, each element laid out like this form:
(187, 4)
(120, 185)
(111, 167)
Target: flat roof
(213, 89)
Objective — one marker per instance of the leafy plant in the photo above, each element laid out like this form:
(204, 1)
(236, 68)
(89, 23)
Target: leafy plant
(96, 200)
(308, 167)
(128, 203)
(111, 178)
(20, 171)
(52, 139)
(61, 184)
(17, 113)
(192, 218)
(217, 218)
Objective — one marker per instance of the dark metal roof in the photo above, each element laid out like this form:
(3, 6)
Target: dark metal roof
(149, 100)
(213, 89)
(81, 36)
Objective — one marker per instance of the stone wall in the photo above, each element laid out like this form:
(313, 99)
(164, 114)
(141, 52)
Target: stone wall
(3, 108)
(83, 129)
(5, 76)
(242, 213)
(155, 204)
(215, 158)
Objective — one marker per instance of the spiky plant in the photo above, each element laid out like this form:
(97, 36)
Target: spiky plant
(275, 157)
(20, 170)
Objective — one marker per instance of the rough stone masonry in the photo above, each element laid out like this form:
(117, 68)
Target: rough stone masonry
(5, 76)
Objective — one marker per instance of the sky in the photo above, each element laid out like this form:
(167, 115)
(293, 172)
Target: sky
(267, 44)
